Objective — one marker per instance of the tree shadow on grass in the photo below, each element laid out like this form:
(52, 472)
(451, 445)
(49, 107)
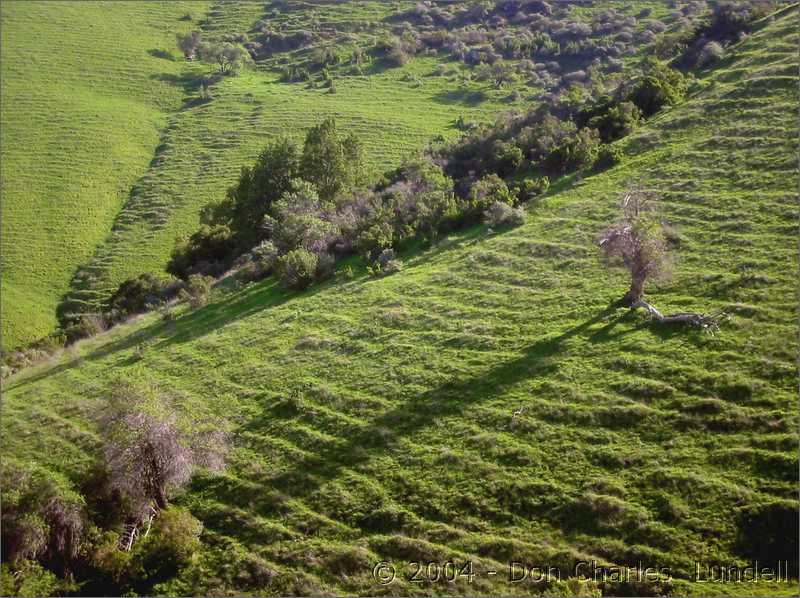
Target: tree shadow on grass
(187, 327)
(164, 54)
(466, 97)
(188, 81)
(382, 433)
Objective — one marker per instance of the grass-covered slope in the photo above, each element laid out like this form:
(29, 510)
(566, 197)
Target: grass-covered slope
(374, 417)
(393, 110)
(85, 91)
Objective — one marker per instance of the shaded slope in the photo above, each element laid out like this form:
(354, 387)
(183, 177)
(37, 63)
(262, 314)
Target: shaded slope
(374, 417)
(83, 99)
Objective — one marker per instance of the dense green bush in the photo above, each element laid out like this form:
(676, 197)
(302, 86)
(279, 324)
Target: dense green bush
(489, 190)
(532, 188)
(501, 214)
(660, 86)
(507, 157)
(297, 269)
(616, 121)
(373, 239)
(207, 251)
(141, 293)
(580, 151)
(197, 291)
(607, 157)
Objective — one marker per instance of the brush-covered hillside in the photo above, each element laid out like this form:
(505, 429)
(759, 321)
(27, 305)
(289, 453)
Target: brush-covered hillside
(112, 142)
(490, 403)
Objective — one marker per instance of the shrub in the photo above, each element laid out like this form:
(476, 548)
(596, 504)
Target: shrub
(712, 53)
(260, 262)
(534, 187)
(616, 121)
(660, 86)
(301, 221)
(501, 214)
(297, 269)
(326, 264)
(488, 190)
(579, 152)
(175, 538)
(43, 517)
(374, 239)
(29, 578)
(141, 293)
(188, 43)
(207, 251)
(197, 290)
(387, 263)
(607, 157)
(88, 325)
(506, 157)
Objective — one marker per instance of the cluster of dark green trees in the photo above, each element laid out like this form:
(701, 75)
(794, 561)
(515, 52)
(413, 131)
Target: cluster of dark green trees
(564, 137)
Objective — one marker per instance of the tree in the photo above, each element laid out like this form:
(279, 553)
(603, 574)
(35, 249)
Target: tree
(332, 164)
(637, 240)
(660, 86)
(188, 43)
(272, 176)
(150, 448)
(229, 58)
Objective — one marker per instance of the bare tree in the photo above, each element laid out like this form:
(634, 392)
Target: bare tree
(188, 43)
(638, 241)
(151, 451)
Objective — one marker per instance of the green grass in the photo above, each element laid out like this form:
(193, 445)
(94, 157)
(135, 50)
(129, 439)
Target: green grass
(85, 94)
(373, 417)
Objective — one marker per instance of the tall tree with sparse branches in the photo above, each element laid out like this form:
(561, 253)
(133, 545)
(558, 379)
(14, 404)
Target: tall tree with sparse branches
(638, 242)
(150, 449)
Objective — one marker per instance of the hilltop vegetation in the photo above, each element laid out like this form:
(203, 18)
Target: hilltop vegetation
(193, 134)
(489, 403)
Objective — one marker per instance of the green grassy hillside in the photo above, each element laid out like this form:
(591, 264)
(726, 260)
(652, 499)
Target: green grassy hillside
(85, 94)
(374, 418)
(109, 154)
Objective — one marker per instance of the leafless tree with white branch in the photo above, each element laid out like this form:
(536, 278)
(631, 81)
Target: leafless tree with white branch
(151, 451)
(638, 241)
